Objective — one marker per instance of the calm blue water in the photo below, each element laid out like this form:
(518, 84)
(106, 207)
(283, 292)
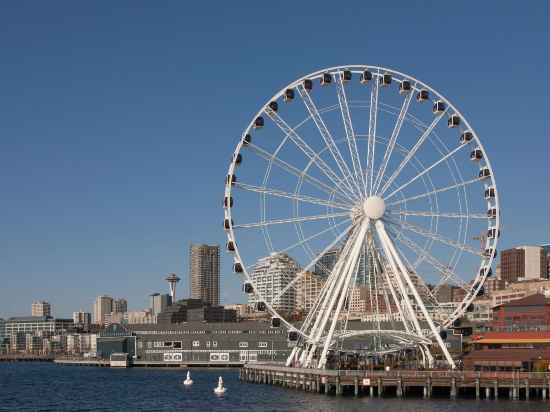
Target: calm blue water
(49, 387)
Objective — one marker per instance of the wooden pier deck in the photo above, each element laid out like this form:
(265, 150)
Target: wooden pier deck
(402, 383)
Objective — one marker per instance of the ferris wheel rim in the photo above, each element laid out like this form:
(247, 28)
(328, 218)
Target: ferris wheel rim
(480, 277)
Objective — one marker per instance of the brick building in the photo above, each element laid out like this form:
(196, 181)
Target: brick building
(531, 313)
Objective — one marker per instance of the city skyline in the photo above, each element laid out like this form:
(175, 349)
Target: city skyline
(109, 171)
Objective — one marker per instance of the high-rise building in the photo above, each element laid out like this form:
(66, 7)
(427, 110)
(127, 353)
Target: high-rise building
(82, 318)
(546, 250)
(204, 273)
(523, 263)
(271, 275)
(120, 305)
(308, 289)
(159, 302)
(326, 263)
(41, 308)
(103, 305)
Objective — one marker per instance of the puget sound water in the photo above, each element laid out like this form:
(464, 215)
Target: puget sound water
(41, 387)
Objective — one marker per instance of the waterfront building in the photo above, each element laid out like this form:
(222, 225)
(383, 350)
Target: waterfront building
(204, 272)
(159, 302)
(120, 305)
(82, 319)
(518, 290)
(34, 324)
(308, 288)
(529, 313)
(242, 309)
(480, 310)
(103, 305)
(270, 276)
(41, 308)
(523, 263)
(525, 351)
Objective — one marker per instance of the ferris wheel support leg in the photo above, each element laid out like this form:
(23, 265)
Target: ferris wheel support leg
(291, 357)
(351, 267)
(329, 299)
(435, 331)
(427, 358)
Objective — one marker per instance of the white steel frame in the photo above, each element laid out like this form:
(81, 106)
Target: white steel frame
(348, 186)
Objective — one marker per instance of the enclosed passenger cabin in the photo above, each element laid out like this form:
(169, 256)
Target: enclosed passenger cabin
(275, 322)
(274, 106)
(230, 179)
(259, 122)
(289, 95)
(366, 77)
(247, 139)
(490, 193)
(492, 213)
(465, 137)
(326, 78)
(228, 201)
(454, 121)
(487, 271)
(438, 107)
(493, 233)
(470, 308)
(230, 246)
(238, 267)
(443, 334)
(248, 288)
(346, 75)
(405, 87)
(227, 224)
(476, 155)
(260, 306)
(457, 323)
(422, 95)
(292, 336)
(238, 158)
(481, 291)
(385, 79)
(484, 172)
(308, 84)
(488, 253)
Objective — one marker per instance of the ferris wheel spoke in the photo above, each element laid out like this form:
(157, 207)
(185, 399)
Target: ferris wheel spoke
(338, 181)
(412, 152)
(423, 172)
(436, 214)
(328, 139)
(291, 220)
(311, 263)
(393, 139)
(435, 236)
(294, 196)
(348, 126)
(300, 173)
(433, 192)
(371, 141)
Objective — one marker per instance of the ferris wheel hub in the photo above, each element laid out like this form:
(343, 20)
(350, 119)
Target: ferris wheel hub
(374, 207)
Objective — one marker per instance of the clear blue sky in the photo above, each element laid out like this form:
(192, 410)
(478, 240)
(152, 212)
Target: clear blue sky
(117, 120)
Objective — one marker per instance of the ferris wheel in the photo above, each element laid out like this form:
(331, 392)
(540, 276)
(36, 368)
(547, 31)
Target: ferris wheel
(361, 189)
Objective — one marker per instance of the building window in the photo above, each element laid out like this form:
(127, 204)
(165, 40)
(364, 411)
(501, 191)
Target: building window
(196, 343)
(262, 344)
(215, 343)
(243, 344)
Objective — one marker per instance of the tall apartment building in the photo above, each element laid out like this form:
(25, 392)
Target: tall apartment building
(271, 275)
(204, 273)
(523, 263)
(120, 305)
(308, 289)
(158, 302)
(103, 306)
(41, 308)
(82, 318)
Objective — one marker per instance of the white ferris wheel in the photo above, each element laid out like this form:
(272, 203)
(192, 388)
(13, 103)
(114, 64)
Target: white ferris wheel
(382, 172)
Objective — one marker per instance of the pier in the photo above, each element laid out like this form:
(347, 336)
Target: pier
(402, 383)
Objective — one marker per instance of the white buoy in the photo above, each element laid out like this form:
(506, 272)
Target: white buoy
(219, 390)
(188, 381)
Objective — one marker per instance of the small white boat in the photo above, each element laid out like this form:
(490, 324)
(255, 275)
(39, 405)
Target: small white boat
(188, 380)
(220, 390)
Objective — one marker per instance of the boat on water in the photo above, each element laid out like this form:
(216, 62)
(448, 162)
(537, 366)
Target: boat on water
(220, 389)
